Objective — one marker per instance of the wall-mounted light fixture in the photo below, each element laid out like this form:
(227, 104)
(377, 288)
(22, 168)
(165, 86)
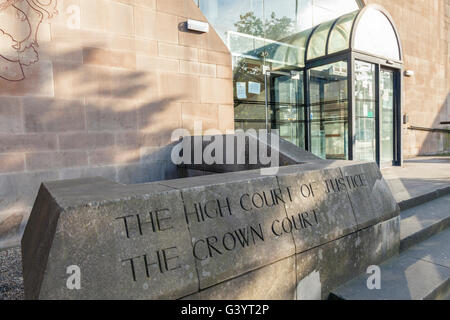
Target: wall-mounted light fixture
(409, 73)
(199, 26)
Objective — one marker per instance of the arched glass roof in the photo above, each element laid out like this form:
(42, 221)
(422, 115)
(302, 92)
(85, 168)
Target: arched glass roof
(369, 30)
(376, 34)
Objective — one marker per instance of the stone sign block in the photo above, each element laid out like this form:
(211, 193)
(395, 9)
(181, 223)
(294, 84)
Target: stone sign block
(212, 236)
(276, 281)
(326, 267)
(232, 227)
(135, 248)
(320, 210)
(370, 196)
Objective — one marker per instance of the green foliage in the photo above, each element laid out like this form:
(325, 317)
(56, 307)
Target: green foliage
(278, 28)
(250, 24)
(273, 28)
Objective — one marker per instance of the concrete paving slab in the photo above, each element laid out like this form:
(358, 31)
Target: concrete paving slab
(422, 272)
(421, 222)
(402, 278)
(435, 250)
(418, 176)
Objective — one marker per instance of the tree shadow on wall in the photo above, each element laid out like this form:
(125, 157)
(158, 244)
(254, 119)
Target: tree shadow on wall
(437, 141)
(103, 114)
(80, 120)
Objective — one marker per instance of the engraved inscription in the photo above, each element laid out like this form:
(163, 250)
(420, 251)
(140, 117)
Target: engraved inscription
(240, 236)
(160, 261)
(297, 222)
(208, 210)
(230, 241)
(153, 221)
(347, 183)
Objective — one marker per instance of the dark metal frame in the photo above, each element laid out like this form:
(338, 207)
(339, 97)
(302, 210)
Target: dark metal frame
(269, 78)
(351, 55)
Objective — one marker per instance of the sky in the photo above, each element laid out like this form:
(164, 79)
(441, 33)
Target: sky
(223, 14)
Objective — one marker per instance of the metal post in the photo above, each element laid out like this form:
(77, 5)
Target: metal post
(266, 87)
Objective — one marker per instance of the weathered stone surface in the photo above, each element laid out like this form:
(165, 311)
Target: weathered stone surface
(231, 226)
(379, 242)
(404, 278)
(274, 282)
(370, 196)
(239, 235)
(319, 270)
(422, 221)
(318, 214)
(435, 250)
(242, 151)
(324, 268)
(136, 248)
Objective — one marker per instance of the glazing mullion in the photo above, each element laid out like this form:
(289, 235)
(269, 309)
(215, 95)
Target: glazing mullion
(378, 113)
(351, 105)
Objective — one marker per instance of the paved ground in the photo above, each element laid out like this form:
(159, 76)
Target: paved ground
(418, 176)
(11, 281)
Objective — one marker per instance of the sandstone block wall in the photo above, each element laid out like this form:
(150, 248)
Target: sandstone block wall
(424, 27)
(95, 88)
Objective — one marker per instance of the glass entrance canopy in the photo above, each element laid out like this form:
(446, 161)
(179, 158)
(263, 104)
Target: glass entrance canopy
(332, 89)
(369, 30)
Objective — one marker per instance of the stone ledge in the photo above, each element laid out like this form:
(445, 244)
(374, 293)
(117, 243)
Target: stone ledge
(421, 272)
(171, 239)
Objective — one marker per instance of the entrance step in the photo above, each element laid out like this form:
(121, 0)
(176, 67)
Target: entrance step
(423, 221)
(419, 273)
(422, 197)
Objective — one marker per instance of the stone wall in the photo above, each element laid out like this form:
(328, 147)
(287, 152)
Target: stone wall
(95, 88)
(297, 234)
(424, 27)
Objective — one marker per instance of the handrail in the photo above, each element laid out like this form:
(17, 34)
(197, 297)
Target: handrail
(429, 129)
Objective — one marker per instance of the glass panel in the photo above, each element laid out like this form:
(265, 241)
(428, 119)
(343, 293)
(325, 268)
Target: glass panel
(280, 22)
(249, 94)
(297, 48)
(288, 108)
(269, 33)
(365, 104)
(387, 115)
(375, 34)
(325, 10)
(318, 42)
(340, 35)
(329, 111)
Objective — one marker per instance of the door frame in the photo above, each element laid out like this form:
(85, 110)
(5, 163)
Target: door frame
(397, 69)
(350, 56)
(397, 116)
(269, 79)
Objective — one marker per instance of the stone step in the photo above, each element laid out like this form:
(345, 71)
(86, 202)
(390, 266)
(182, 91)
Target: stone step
(420, 273)
(422, 198)
(423, 221)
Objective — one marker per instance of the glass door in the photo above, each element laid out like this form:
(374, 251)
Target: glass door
(286, 106)
(328, 96)
(375, 113)
(365, 147)
(387, 116)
